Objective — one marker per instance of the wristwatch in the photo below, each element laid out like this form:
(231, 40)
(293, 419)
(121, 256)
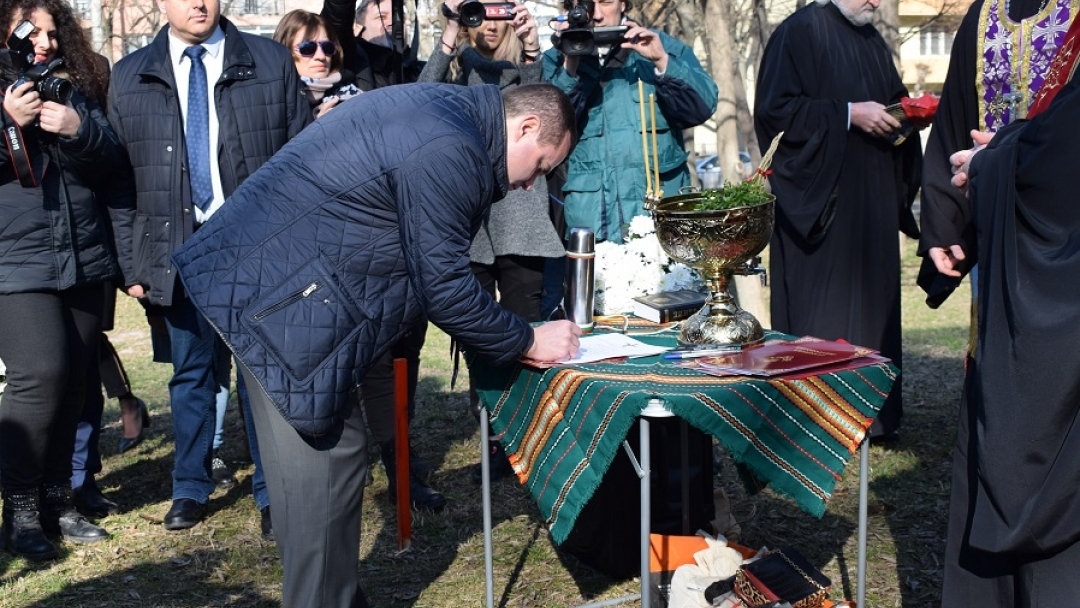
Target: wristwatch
(449, 14)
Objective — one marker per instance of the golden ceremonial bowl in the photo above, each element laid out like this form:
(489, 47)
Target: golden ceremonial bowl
(717, 244)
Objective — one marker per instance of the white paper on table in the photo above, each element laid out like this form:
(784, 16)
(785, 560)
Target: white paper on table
(612, 346)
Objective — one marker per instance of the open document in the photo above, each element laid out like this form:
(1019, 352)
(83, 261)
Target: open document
(606, 346)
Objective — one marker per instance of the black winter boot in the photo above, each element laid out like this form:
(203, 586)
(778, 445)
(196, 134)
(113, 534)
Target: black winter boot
(59, 518)
(22, 534)
(422, 496)
(419, 468)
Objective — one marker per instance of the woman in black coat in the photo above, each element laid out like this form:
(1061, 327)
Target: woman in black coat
(56, 253)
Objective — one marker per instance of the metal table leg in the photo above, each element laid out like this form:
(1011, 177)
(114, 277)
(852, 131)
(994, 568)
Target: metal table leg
(646, 510)
(864, 484)
(485, 492)
(654, 409)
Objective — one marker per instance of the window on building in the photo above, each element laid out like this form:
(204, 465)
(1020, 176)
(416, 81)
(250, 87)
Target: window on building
(82, 8)
(935, 41)
(254, 7)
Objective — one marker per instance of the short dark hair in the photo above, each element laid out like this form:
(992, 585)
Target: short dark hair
(299, 20)
(550, 104)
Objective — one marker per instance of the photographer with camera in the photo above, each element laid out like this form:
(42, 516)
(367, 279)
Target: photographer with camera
(599, 66)
(497, 43)
(62, 174)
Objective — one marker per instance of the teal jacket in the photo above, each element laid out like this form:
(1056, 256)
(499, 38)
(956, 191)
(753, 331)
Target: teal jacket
(605, 184)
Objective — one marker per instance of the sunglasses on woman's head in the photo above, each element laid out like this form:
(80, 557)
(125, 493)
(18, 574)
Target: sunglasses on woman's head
(307, 48)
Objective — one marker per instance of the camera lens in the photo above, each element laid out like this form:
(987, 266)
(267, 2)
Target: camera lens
(55, 89)
(577, 41)
(471, 13)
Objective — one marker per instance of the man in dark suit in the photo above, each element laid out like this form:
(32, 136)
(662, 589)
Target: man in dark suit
(198, 110)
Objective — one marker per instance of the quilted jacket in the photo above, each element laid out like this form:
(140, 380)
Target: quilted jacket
(605, 174)
(57, 235)
(260, 105)
(322, 259)
(520, 224)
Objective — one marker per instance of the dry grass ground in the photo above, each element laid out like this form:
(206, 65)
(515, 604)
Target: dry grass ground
(223, 562)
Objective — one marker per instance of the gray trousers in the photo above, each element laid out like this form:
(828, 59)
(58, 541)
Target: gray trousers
(316, 491)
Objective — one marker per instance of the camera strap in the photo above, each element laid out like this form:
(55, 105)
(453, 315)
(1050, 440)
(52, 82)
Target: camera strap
(16, 145)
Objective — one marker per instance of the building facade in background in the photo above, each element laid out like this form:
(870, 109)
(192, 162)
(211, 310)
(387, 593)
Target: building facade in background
(927, 28)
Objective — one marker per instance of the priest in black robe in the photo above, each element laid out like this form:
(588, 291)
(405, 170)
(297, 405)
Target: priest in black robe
(843, 190)
(945, 217)
(1014, 521)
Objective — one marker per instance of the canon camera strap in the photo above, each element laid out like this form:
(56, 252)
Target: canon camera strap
(16, 145)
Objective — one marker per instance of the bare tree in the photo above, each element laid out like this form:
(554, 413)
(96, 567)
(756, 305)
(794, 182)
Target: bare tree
(128, 22)
(887, 21)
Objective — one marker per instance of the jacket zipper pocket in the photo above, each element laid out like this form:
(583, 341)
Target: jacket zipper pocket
(296, 297)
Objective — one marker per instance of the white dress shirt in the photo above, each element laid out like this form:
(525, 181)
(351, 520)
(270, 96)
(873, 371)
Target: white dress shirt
(214, 61)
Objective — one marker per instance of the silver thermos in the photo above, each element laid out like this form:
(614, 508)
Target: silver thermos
(580, 255)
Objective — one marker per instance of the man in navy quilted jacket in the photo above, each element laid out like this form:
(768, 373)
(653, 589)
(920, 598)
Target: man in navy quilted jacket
(326, 255)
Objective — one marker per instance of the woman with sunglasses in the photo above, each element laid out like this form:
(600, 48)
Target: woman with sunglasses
(318, 59)
(508, 254)
(57, 189)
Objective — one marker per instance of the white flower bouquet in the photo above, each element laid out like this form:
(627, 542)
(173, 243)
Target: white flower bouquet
(635, 268)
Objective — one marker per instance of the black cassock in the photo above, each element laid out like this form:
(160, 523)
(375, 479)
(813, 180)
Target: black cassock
(842, 195)
(1014, 522)
(945, 216)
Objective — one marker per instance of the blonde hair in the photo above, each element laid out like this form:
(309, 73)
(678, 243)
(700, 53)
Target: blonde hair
(509, 49)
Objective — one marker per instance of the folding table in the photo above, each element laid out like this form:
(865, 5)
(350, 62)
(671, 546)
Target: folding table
(561, 428)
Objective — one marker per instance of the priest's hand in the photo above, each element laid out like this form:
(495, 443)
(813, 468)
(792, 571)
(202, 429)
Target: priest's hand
(554, 341)
(947, 259)
(961, 161)
(871, 117)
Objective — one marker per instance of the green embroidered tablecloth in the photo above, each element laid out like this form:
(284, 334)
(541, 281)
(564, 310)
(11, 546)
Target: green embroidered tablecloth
(562, 427)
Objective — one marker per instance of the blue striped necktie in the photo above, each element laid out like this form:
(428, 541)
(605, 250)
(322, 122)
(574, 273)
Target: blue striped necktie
(197, 131)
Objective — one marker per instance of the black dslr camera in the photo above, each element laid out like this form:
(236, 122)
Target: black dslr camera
(580, 36)
(471, 13)
(17, 64)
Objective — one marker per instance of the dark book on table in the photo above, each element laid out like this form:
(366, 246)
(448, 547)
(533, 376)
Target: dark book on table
(668, 306)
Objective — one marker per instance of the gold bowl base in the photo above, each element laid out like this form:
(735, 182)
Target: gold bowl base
(724, 327)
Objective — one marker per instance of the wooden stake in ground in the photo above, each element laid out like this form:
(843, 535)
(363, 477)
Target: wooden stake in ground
(401, 453)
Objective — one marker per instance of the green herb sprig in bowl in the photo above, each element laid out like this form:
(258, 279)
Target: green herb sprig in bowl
(742, 194)
(733, 196)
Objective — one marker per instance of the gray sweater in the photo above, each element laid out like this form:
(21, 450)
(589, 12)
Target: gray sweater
(519, 224)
